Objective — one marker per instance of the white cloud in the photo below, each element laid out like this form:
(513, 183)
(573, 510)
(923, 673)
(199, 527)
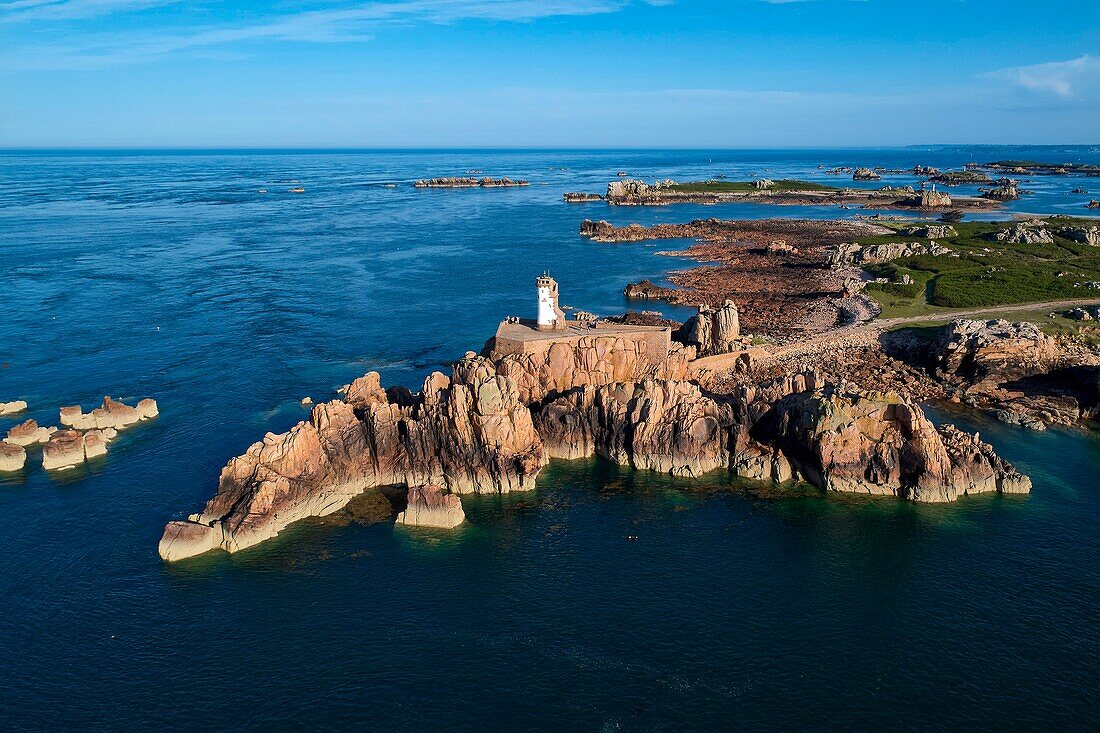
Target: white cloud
(1066, 79)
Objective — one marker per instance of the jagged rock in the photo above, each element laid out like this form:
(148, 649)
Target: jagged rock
(870, 443)
(925, 170)
(1094, 204)
(763, 184)
(429, 506)
(1022, 234)
(933, 199)
(580, 198)
(865, 174)
(65, 449)
(985, 354)
(665, 426)
(630, 192)
(471, 432)
(1084, 235)
(12, 457)
(712, 331)
(29, 433)
(933, 231)
(850, 253)
(976, 468)
(10, 408)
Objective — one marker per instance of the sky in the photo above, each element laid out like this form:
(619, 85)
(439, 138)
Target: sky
(548, 73)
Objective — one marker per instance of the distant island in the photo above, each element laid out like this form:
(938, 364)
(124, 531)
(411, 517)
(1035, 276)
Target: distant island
(781, 192)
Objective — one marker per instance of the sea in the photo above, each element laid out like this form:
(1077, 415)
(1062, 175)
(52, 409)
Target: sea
(605, 600)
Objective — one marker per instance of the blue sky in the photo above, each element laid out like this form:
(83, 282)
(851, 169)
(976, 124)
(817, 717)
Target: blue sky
(589, 73)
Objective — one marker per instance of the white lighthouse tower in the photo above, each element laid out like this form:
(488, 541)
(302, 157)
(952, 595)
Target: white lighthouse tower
(551, 317)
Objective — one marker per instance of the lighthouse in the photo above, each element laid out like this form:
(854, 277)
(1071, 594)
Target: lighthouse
(551, 317)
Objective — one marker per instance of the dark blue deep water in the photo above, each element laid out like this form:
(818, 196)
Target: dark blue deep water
(167, 274)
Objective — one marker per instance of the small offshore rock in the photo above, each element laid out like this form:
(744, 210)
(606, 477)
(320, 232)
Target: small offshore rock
(12, 457)
(10, 408)
(65, 449)
(428, 506)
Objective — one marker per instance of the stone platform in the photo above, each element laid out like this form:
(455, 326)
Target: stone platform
(524, 337)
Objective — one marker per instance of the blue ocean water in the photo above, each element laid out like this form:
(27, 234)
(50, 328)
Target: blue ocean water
(167, 274)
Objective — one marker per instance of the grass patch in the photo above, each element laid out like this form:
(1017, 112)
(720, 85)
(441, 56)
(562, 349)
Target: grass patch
(986, 272)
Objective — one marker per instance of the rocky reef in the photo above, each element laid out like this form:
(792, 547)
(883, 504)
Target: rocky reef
(491, 425)
(453, 182)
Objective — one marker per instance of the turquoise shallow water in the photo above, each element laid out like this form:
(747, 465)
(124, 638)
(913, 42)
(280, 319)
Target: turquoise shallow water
(167, 274)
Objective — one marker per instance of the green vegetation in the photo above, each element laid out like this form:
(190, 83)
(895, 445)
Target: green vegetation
(746, 187)
(986, 272)
(952, 178)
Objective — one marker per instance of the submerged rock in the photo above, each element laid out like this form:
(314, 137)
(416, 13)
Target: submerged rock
(430, 506)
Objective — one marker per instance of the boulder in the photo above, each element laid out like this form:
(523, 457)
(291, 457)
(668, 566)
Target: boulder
(933, 231)
(712, 331)
(29, 433)
(431, 506)
(12, 457)
(1083, 235)
(865, 174)
(1023, 234)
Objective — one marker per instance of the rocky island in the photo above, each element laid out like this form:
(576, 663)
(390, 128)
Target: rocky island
(554, 388)
(781, 192)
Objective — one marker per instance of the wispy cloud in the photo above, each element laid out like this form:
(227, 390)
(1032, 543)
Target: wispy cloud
(23, 11)
(1066, 79)
(355, 22)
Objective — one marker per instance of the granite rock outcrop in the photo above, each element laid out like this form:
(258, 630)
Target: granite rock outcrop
(712, 330)
(1024, 234)
(490, 426)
